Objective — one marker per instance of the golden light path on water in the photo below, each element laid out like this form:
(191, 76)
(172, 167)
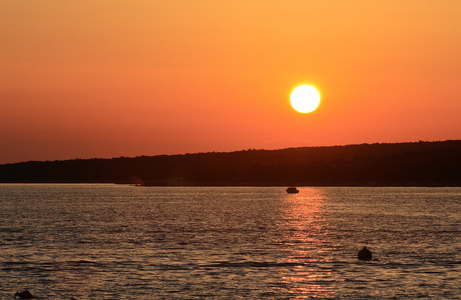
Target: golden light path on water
(305, 242)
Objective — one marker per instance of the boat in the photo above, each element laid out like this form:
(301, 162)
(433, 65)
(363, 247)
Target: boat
(292, 190)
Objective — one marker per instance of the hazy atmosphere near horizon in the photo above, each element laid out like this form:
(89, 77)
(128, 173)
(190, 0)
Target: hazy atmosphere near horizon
(126, 78)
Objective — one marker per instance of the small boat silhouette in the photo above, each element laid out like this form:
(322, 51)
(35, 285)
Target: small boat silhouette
(292, 190)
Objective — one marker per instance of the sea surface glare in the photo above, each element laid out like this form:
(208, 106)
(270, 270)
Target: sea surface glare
(124, 242)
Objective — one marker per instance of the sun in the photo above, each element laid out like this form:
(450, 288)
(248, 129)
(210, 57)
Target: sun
(305, 99)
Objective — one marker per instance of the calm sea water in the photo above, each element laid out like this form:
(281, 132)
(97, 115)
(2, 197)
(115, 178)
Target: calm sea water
(125, 242)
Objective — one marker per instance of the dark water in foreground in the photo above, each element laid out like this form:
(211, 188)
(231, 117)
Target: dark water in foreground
(124, 242)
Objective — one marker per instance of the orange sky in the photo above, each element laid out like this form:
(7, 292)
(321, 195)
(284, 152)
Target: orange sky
(112, 78)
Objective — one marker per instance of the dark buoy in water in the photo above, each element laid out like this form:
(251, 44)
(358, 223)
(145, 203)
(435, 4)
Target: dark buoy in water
(24, 295)
(364, 254)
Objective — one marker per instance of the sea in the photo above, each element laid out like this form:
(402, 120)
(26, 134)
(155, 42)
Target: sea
(107, 241)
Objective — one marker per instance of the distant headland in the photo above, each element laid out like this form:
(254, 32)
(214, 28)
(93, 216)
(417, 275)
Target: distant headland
(399, 164)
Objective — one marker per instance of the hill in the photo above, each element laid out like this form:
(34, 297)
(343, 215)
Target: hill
(399, 164)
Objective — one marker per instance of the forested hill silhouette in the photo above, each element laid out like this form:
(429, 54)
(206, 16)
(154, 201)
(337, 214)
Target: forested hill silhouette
(400, 164)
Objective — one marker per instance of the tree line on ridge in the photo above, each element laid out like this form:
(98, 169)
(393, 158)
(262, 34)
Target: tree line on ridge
(399, 164)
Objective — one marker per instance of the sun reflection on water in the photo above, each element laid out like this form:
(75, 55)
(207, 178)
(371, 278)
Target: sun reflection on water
(306, 246)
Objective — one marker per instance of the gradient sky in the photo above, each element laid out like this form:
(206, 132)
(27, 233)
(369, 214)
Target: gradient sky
(113, 78)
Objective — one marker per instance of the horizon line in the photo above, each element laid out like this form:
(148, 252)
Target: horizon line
(232, 151)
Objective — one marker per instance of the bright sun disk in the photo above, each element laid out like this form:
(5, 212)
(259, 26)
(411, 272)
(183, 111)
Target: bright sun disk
(305, 98)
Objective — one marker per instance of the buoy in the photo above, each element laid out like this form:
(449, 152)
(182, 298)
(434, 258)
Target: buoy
(24, 295)
(364, 254)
